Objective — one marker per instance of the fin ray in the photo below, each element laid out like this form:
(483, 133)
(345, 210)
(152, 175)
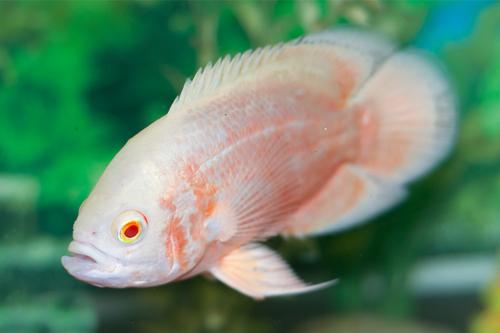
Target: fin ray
(348, 199)
(259, 272)
(211, 78)
(412, 114)
(368, 49)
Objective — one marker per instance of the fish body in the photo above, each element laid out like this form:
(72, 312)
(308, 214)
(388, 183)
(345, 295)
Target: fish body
(303, 138)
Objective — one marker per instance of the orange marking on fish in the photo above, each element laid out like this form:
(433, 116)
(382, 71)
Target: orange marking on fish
(210, 209)
(204, 193)
(396, 146)
(194, 182)
(168, 202)
(346, 80)
(177, 242)
(357, 188)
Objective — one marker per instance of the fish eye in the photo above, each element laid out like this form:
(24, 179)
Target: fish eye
(130, 225)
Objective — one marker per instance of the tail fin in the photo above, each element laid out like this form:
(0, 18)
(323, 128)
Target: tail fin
(407, 104)
(409, 117)
(407, 121)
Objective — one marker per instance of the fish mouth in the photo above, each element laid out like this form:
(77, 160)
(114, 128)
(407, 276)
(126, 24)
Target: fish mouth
(88, 263)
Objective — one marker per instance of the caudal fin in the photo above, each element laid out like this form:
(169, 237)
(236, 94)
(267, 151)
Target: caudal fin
(407, 125)
(409, 117)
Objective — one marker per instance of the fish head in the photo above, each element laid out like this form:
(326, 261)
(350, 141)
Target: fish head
(119, 236)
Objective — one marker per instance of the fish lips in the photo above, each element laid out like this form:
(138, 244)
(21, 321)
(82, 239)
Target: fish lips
(89, 264)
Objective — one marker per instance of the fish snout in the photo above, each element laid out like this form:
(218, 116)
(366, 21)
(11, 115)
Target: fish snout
(87, 263)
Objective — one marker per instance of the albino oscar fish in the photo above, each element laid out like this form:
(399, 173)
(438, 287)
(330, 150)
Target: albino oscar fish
(303, 138)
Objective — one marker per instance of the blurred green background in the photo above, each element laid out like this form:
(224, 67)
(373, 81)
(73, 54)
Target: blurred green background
(78, 78)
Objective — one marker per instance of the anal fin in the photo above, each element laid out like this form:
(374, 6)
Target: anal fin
(259, 272)
(351, 196)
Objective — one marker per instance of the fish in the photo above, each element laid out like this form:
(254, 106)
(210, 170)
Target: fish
(300, 139)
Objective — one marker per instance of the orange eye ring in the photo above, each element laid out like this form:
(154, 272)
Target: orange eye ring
(130, 231)
(129, 226)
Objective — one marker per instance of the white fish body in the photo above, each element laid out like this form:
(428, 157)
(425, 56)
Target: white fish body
(302, 138)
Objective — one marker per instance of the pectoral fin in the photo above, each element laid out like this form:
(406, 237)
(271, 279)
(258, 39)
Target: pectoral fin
(259, 272)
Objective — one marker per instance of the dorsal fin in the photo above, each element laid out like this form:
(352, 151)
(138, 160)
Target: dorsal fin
(225, 71)
(364, 41)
